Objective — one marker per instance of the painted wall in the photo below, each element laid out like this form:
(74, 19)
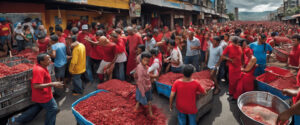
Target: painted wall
(122, 4)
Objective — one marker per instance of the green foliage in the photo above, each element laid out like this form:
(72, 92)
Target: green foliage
(231, 16)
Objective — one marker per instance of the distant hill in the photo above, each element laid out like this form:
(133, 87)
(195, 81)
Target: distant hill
(254, 16)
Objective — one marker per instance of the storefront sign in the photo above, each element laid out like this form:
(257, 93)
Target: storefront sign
(135, 8)
(188, 7)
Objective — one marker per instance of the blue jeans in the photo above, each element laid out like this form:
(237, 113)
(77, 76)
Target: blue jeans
(51, 108)
(182, 118)
(176, 69)
(260, 69)
(77, 83)
(21, 45)
(88, 73)
(194, 60)
(119, 71)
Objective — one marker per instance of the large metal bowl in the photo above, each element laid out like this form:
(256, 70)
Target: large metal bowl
(261, 98)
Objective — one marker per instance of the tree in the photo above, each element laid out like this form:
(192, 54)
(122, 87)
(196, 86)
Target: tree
(231, 16)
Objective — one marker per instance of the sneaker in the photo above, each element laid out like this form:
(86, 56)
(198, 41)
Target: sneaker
(67, 90)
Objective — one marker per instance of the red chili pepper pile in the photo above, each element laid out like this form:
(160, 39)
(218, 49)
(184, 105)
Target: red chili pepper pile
(6, 70)
(29, 54)
(267, 77)
(107, 108)
(118, 87)
(265, 115)
(279, 71)
(285, 83)
(169, 78)
(206, 83)
(203, 76)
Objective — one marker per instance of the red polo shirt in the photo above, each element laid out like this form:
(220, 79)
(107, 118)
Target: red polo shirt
(40, 75)
(186, 95)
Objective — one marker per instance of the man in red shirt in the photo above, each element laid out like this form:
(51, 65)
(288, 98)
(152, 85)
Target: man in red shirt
(41, 93)
(119, 70)
(186, 90)
(133, 41)
(107, 64)
(81, 37)
(59, 33)
(294, 57)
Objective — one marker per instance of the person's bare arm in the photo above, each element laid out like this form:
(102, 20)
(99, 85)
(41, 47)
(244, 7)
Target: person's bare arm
(251, 64)
(226, 58)
(171, 101)
(52, 84)
(92, 42)
(52, 54)
(284, 116)
(206, 57)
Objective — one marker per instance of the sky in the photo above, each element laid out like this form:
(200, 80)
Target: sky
(253, 5)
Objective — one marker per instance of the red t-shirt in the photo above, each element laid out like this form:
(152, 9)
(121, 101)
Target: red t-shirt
(40, 75)
(66, 33)
(88, 46)
(234, 52)
(203, 44)
(120, 46)
(43, 46)
(93, 52)
(186, 95)
(62, 39)
(159, 37)
(109, 51)
(5, 29)
(294, 56)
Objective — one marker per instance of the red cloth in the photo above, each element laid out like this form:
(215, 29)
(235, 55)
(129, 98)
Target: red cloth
(245, 84)
(133, 42)
(297, 98)
(186, 95)
(235, 53)
(294, 56)
(110, 51)
(40, 75)
(4, 29)
(43, 46)
(246, 51)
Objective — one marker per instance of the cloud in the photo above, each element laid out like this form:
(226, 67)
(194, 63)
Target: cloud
(253, 5)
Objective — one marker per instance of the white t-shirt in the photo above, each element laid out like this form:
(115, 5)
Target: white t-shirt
(214, 55)
(121, 58)
(223, 44)
(175, 55)
(154, 67)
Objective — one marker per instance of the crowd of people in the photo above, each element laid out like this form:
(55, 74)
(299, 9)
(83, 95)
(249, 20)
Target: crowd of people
(234, 53)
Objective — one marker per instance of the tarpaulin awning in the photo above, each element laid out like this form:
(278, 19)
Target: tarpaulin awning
(163, 3)
(288, 18)
(296, 15)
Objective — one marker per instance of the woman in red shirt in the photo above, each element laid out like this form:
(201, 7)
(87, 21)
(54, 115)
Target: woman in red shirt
(233, 55)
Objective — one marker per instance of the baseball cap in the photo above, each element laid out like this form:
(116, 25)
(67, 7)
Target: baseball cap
(84, 27)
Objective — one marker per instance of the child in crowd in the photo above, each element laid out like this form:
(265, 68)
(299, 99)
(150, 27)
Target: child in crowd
(142, 78)
(141, 48)
(175, 59)
(186, 90)
(155, 65)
